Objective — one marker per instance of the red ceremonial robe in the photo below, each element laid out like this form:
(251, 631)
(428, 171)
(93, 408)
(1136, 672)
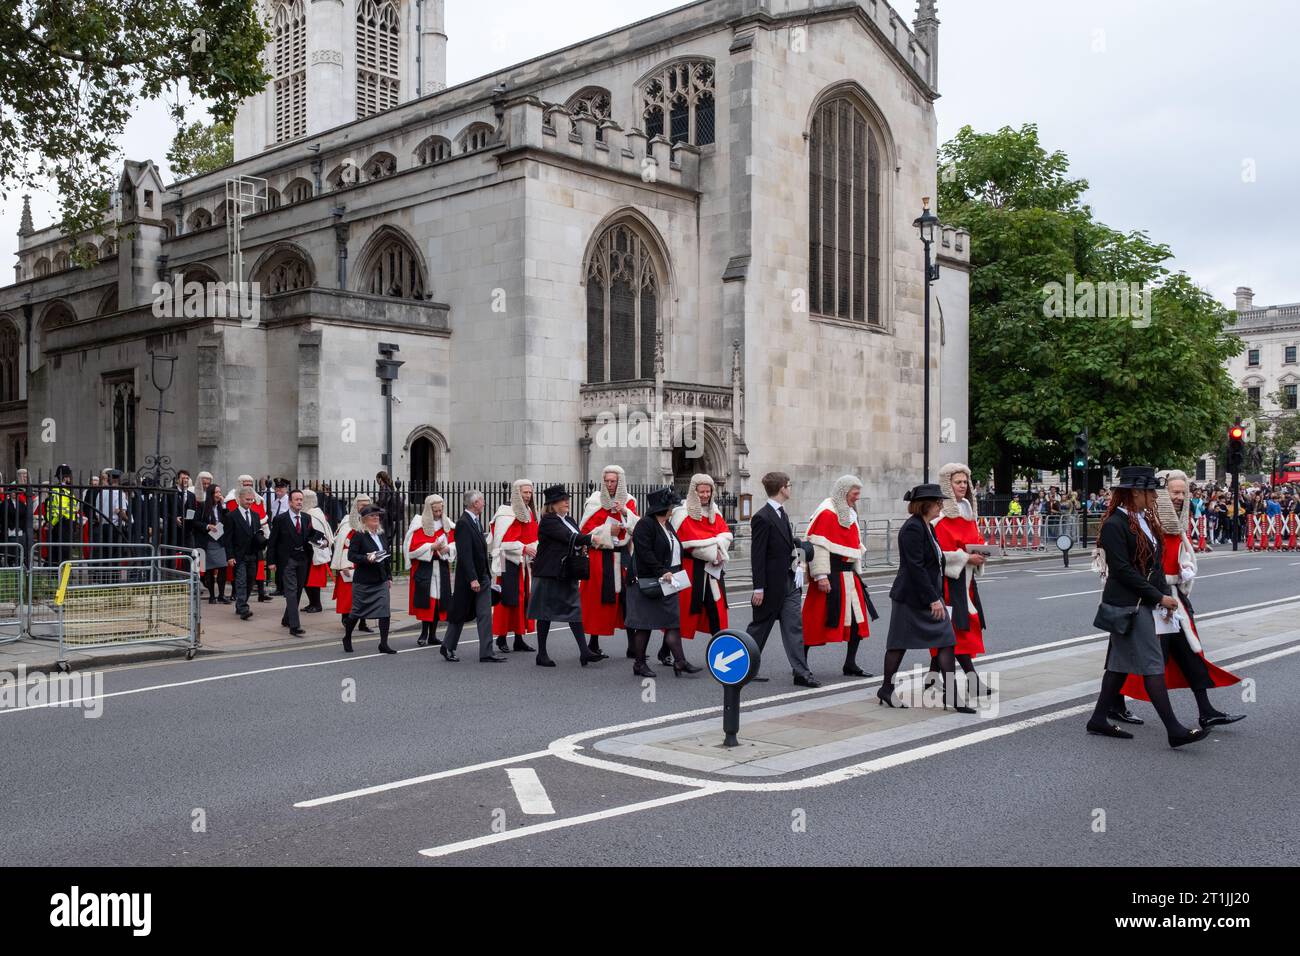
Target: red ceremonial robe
(825, 615)
(953, 534)
(437, 609)
(342, 587)
(1174, 676)
(507, 619)
(602, 608)
(701, 535)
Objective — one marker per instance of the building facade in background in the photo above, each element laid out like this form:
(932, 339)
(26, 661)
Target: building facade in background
(685, 245)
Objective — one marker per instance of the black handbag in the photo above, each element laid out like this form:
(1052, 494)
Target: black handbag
(1115, 619)
(575, 564)
(651, 587)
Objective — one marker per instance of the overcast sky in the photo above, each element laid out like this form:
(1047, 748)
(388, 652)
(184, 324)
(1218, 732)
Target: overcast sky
(1181, 114)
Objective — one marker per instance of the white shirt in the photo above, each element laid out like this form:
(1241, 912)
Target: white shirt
(774, 505)
(374, 536)
(279, 505)
(677, 548)
(1142, 523)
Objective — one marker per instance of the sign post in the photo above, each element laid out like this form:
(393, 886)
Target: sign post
(733, 659)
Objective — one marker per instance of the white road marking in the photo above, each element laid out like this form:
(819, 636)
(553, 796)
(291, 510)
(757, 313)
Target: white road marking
(1199, 577)
(705, 788)
(412, 781)
(529, 791)
(1053, 597)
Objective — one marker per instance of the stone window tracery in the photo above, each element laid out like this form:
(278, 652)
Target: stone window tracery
(593, 102)
(289, 63)
(378, 44)
(623, 290)
(678, 102)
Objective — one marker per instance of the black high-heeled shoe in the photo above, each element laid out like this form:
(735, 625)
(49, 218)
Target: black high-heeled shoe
(1108, 730)
(544, 661)
(685, 667)
(931, 679)
(887, 699)
(347, 645)
(590, 658)
(642, 669)
(855, 671)
(666, 658)
(1190, 737)
(363, 626)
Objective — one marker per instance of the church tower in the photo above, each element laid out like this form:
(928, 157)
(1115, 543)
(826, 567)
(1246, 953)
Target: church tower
(335, 61)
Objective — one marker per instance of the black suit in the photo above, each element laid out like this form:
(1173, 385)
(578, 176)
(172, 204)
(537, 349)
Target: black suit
(244, 541)
(772, 556)
(365, 571)
(919, 581)
(555, 539)
(176, 505)
(290, 551)
(1126, 586)
(466, 604)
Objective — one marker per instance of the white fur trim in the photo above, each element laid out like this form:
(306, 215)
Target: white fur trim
(954, 562)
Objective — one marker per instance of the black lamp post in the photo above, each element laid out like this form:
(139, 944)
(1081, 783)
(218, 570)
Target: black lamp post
(160, 365)
(925, 224)
(386, 369)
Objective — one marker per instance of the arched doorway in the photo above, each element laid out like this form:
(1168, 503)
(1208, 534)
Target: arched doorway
(424, 465)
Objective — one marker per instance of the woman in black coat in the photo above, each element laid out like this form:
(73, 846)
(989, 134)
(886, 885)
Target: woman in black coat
(919, 620)
(656, 556)
(554, 595)
(1135, 591)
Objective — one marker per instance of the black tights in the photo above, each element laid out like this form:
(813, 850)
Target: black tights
(965, 660)
(851, 654)
(672, 644)
(544, 630)
(428, 631)
(946, 664)
(349, 622)
(1112, 682)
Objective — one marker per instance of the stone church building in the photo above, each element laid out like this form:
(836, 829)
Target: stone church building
(684, 245)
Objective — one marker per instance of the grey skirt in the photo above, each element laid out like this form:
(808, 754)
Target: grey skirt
(913, 629)
(554, 599)
(214, 553)
(1139, 652)
(651, 613)
(370, 600)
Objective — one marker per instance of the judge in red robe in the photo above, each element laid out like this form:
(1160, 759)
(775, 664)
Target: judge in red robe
(706, 545)
(340, 565)
(1185, 661)
(954, 529)
(512, 548)
(430, 549)
(608, 516)
(837, 605)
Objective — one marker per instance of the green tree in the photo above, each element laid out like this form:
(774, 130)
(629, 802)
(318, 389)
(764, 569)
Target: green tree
(1149, 384)
(201, 147)
(72, 73)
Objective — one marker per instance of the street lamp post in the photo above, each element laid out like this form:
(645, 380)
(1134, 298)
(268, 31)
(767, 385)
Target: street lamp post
(156, 371)
(925, 224)
(386, 370)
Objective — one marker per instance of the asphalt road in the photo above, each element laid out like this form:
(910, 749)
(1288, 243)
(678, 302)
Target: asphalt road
(202, 762)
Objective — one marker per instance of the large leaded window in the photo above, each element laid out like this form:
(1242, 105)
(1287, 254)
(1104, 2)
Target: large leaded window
(622, 308)
(289, 28)
(394, 269)
(844, 199)
(10, 356)
(121, 402)
(594, 102)
(677, 102)
(378, 42)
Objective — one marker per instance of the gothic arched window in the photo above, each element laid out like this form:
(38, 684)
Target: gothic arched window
(10, 355)
(393, 268)
(677, 101)
(476, 136)
(378, 41)
(61, 261)
(289, 64)
(299, 190)
(433, 150)
(42, 267)
(200, 219)
(344, 176)
(594, 102)
(623, 294)
(286, 271)
(844, 214)
(381, 165)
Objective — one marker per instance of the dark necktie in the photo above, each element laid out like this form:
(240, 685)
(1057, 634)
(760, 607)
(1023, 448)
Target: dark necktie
(297, 528)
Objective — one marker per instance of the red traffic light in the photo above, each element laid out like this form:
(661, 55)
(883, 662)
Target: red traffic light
(1236, 432)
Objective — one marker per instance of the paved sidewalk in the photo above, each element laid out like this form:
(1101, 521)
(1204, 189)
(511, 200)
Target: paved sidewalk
(826, 728)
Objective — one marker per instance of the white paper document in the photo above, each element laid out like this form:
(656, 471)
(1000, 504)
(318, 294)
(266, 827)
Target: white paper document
(1167, 625)
(680, 582)
(216, 535)
(713, 570)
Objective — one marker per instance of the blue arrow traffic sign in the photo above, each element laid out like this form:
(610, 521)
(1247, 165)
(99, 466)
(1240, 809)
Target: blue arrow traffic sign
(730, 659)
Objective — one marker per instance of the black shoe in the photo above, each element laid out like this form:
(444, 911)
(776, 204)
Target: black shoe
(366, 628)
(262, 599)
(642, 669)
(448, 655)
(297, 631)
(1126, 716)
(385, 649)
(685, 667)
(224, 600)
(1220, 719)
(544, 661)
(886, 698)
(960, 708)
(521, 645)
(347, 644)
(245, 615)
(494, 659)
(1108, 730)
(806, 681)
(590, 658)
(597, 654)
(213, 600)
(435, 642)
(666, 658)
(931, 679)
(855, 671)
(502, 646)
(421, 641)
(1189, 737)
(309, 609)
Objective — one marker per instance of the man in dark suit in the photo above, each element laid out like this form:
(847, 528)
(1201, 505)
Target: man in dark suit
(244, 540)
(181, 509)
(289, 551)
(471, 596)
(778, 595)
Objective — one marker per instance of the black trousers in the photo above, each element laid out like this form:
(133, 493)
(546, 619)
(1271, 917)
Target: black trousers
(294, 576)
(245, 578)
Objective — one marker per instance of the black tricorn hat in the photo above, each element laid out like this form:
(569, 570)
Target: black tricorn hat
(661, 500)
(1139, 477)
(554, 493)
(926, 492)
(369, 510)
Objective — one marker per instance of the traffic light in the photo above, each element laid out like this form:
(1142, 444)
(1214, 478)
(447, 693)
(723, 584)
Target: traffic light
(1081, 451)
(1236, 446)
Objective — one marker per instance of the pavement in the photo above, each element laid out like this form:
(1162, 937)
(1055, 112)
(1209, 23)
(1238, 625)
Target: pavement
(304, 755)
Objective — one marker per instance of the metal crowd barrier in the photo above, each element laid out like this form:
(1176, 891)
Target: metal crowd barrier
(110, 602)
(13, 594)
(44, 560)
